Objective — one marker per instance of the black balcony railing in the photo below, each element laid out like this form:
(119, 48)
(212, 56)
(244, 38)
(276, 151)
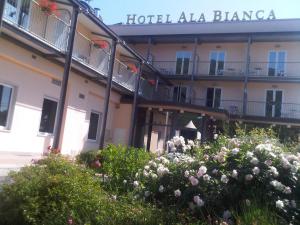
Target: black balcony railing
(28, 15)
(233, 107)
(230, 68)
(274, 69)
(214, 68)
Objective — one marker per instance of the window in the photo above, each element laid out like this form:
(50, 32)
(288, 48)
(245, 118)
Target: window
(18, 12)
(217, 61)
(183, 62)
(5, 101)
(48, 116)
(180, 94)
(273, 103)
(94, 124)
(213, 97)
(276, 63)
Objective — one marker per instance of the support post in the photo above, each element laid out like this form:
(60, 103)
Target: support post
(247, 69)
(149, 134)
(149, 48)
(2, 7)
(193, 68)
(134, 106)
(107, 92)
(65, 79)
(203, 129)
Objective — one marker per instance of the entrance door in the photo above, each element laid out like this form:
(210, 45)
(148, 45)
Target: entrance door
(17, 11)
(180, 94)
(183, 62)
(276, 63)
(273, 103)
(213, 97)
(217, 61)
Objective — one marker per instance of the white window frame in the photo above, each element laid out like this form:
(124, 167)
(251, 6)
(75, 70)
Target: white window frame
(276, 62)
(98, 125)
(10, 108)
(190, 53)
(274, 96)
(46, 133)
(218, 52)
(187, 91)
(221, 96)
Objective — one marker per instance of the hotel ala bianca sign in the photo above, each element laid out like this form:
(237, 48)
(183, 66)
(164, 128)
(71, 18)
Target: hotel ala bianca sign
(218, 16)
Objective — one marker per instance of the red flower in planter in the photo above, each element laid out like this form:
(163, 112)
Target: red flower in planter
(48, 6)
(96, 164)
(133, 68)
(152, 82)
(103, 44)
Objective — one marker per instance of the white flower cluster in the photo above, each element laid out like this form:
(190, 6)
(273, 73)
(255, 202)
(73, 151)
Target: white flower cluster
(177, 144)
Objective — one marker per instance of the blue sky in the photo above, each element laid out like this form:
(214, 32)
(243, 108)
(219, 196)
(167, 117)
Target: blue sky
(115, 11)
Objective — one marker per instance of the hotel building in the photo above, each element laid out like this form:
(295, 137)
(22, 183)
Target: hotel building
(69, 82)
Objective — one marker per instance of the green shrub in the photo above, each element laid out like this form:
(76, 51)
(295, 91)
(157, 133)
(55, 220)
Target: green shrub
(57, 191)
(120, 164)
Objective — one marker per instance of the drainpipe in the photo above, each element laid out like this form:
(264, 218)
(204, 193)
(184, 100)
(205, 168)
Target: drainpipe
(134, 106)
(2, 7)
(107, 92)
(247, 69)
(193, 68)
(64, 85)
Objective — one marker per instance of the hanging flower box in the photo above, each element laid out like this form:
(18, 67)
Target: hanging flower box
(132, 68)
(152, 82)
(48, 6)
(102, 44)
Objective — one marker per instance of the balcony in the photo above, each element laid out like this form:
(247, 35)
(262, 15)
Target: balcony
(88, 53)
(234, 108)
(235, 70)
(28, 16)
(274, 70)
(201, 69)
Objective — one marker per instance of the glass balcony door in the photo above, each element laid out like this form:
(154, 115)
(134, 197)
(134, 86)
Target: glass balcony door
(276, 65)
(213, 97)
(216, 63)
(17, 11)
(183, 60)
(180, 94)
(273, 103)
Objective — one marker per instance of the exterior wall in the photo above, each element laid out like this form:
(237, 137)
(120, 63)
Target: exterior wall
(32, 76)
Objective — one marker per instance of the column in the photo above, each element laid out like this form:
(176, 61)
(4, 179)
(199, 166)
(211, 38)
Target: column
(64, 85)
(107, 92)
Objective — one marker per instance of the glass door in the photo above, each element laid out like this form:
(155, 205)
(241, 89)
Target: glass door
(213, 97)
(180, 94)
(17, 11)
(276, 65)
(183, 60)
(216, 63)
(273, 103)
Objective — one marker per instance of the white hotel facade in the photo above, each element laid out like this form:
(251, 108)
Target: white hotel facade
(60, 88)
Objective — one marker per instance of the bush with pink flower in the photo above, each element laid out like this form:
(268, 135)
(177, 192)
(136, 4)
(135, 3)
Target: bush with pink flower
(224, 176)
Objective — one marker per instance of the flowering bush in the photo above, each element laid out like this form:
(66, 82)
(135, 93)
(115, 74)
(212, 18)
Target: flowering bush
(56, 191)
(223, 176)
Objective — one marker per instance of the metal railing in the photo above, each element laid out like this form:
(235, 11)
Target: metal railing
(201, 68)
(146, 90)
(273, 109)
(275, 69)
(230, 68)
(29, 16)
(87, 52)
(123, 75)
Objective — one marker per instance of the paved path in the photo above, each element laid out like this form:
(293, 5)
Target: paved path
(13, 162)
